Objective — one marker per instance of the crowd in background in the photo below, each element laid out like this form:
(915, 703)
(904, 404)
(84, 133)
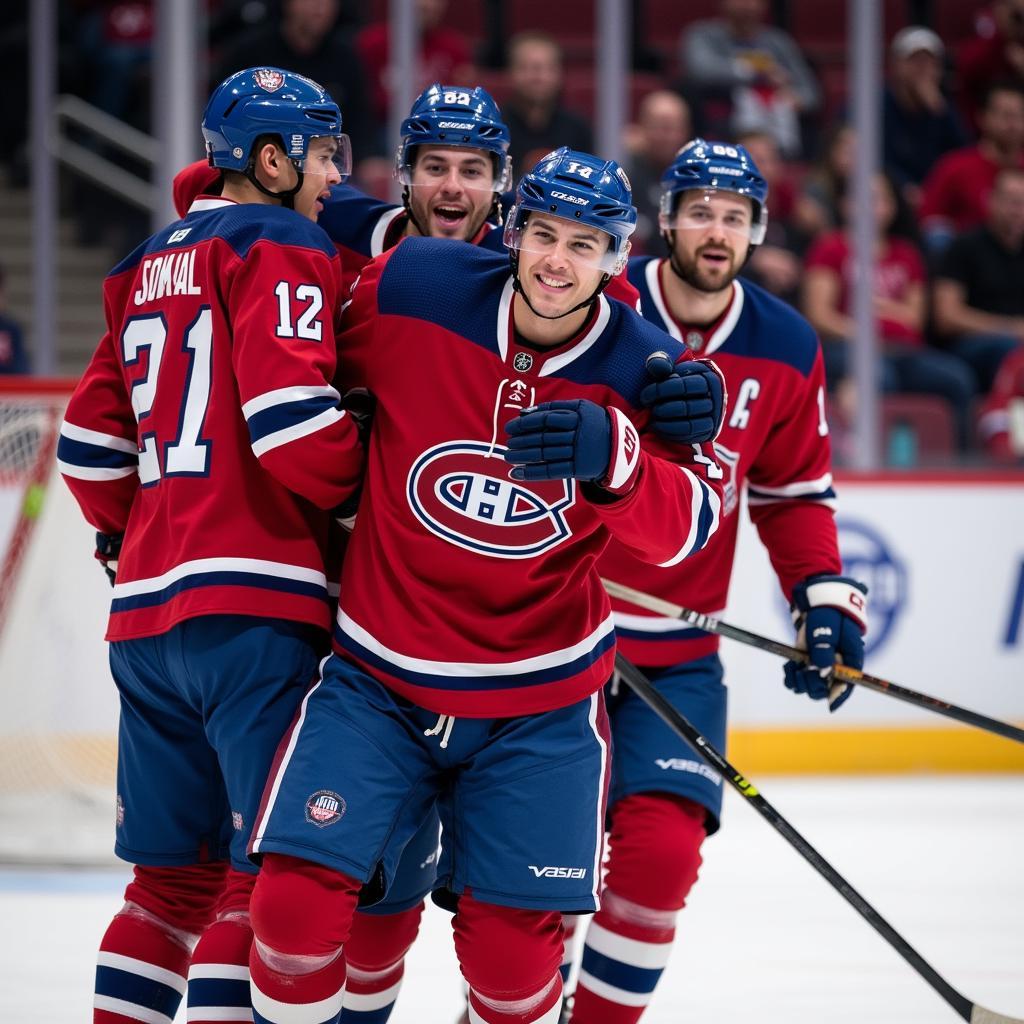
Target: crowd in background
(948, 205)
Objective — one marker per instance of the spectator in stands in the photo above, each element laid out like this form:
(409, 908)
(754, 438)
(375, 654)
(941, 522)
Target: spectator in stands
(818, 205)
(775, 264)
(444, 56)
(1001, 417)
(533, 112)
(662, 128)
(979, 286)
(758, 68)
(955, 194)
(305, 39)
(115, 37)
(919, 124)
(907, 364)
(13, 358)
(996, 54)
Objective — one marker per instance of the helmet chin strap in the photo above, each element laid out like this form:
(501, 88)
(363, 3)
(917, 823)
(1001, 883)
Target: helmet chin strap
(287, 197)
(517, 285)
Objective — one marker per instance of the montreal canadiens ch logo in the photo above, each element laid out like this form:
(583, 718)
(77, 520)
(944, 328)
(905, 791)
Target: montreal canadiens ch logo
(461, 492)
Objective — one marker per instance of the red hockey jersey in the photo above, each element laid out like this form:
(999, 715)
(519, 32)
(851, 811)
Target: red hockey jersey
(206, 427)
(774, 442)
(465, 591)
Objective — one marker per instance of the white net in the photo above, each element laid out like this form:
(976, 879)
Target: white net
(58, 706)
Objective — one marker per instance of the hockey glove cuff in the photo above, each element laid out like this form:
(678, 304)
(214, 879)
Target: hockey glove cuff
(577, 440)
(830, 615)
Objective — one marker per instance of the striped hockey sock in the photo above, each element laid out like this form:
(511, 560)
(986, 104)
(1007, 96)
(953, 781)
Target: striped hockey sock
(623, 958)
(218, 977)
(568, 947)
(140, 970)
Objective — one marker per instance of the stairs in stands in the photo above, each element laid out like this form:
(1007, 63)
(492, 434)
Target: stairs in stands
(79, 274)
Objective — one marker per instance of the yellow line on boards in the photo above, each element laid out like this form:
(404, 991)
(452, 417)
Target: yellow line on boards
(869, 750)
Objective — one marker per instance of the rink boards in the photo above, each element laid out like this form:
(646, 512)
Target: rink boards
(943, 556)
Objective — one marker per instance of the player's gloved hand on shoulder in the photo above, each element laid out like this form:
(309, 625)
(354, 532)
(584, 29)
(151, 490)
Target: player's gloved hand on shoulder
(361, 405)
(108, 550)
(830, 615)
(687, 400)
(576, 439)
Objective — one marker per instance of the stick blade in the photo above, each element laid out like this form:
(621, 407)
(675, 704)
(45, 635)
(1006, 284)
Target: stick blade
(979, 1015)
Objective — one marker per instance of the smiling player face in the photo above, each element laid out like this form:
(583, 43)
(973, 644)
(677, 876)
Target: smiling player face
(560, 263)
(451, 191)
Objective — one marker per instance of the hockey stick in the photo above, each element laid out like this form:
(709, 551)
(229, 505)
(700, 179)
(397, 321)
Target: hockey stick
(843, 672)
(967, 1010)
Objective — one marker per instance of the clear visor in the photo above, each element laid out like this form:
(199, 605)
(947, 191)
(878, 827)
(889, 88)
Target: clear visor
(560, 238)
(329, 155)
(695, 212)
(473, 173)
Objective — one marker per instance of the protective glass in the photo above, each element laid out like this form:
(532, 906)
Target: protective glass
(432, 169)
(321, 157)
(690, 215)
(582, 245)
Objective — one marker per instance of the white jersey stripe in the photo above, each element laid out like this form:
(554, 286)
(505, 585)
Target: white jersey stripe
(95, 472)
(699, 495)
(259, 566)
(795, 489)
(119, 444)
(480, 669)
(595, 873)
(303, 429)
(286, 396)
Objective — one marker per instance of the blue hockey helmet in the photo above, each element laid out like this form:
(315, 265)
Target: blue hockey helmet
(715, 167)
(581, 188)
(270, 101)
(455, 115)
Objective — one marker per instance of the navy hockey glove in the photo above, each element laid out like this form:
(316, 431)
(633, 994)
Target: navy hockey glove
(687, 400)
(830, 615)
(108, 550)
(576, 439)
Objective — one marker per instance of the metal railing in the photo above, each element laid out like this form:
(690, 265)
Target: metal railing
(73, 118)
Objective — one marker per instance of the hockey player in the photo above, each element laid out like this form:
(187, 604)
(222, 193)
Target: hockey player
(206, 430)
(774, 441)
(453, 164)
(473, 636)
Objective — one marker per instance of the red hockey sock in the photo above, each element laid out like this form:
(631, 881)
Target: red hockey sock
(510, 958)
(375, 961)
(218, 978)
(301, 916)
(145, 952)
(655, 856)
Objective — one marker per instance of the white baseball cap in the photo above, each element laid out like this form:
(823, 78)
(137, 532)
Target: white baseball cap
(915, 38)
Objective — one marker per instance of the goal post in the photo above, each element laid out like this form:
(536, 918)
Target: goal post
(58, 704)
